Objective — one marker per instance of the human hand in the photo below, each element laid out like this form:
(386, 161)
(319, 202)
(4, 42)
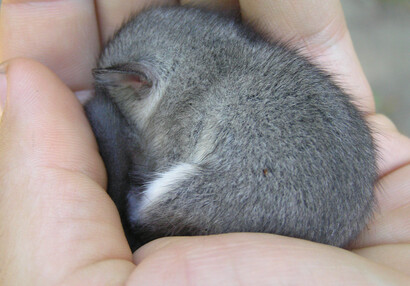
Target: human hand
(57, 223)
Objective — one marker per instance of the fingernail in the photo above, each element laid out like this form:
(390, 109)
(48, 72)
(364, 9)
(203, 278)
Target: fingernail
(3, 86)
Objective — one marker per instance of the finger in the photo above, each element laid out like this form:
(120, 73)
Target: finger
(63, 141)
(391, 223)
(396, 256)
(213, 4)
(319, 30)
(56, 219)
(393, 147)
(111, 14)
(253, 259)
(62, 35)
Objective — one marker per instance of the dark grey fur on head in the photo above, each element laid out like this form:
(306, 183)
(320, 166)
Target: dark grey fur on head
(207, 128)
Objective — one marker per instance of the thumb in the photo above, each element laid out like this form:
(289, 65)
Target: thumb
(42, 114)
(55, 217)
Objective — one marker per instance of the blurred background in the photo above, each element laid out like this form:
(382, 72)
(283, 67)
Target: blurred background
(380, 30)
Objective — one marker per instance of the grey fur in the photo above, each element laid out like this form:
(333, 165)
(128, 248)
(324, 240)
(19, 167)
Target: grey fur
(277, 146)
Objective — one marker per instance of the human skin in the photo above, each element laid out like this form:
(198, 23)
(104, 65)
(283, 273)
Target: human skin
(59, 227)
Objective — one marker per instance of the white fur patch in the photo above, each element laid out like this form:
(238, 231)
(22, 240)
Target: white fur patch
(165, 182)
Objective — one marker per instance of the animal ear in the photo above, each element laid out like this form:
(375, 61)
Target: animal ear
(137, 78)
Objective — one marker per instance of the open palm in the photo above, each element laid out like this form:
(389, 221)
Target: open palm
(57, 224)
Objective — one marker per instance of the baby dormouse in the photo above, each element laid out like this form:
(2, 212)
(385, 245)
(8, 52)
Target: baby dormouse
(205, 127)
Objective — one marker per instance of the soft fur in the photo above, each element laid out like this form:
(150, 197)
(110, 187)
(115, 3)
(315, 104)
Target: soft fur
(227, 133)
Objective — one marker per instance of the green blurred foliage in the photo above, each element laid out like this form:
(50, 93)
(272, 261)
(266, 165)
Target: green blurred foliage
(405, 3)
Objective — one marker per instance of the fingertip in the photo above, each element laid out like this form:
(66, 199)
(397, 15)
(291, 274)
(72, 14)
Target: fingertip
(246, 259)
(302, 21)
(382, 121)
(156, 245)
(47, 121)
(393, 147)
(35, 95)
(30, 82)
(61, 34)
